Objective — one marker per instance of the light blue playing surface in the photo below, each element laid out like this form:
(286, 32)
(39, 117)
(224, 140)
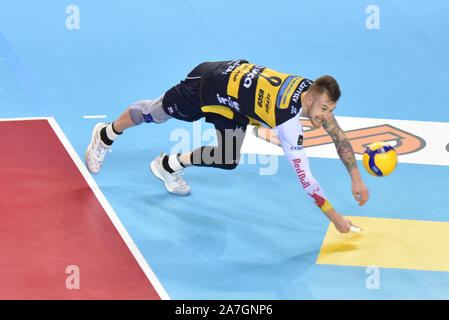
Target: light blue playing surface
(239, 235)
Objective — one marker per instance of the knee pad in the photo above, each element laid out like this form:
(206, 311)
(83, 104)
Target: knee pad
(138, 116)
(148, 111)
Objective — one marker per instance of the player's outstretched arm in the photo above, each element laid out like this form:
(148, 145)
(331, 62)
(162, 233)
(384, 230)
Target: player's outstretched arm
(289, 134)
(346, 154)
(310, 185)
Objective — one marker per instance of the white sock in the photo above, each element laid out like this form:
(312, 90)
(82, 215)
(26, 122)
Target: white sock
(174, 163)
(111, 133)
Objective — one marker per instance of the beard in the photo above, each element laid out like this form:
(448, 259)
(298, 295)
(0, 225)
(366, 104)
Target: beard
(316, 122)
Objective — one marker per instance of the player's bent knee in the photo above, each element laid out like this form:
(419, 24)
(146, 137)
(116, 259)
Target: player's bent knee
(138, 116)
(148, 111)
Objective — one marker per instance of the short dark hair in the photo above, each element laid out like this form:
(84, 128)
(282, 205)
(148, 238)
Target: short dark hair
(327, 84)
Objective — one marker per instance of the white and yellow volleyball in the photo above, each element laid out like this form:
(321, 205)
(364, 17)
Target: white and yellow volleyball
(380, 159)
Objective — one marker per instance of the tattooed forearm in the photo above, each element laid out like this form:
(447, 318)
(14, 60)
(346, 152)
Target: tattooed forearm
(342, 144)
(346, 154)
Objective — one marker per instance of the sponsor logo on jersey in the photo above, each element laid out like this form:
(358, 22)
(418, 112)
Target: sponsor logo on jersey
(263, 102)
(235, 79)
(286, 91)
(172, 109)
(260, 95)
(299, 144)
(268, 103)
(301, 173)
(232, 66)
(300, 140)
(248, 81)
(296, 96)
(229, 102)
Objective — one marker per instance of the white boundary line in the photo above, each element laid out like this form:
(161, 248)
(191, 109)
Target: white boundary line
(110, 212)
(23, 119)
(104, 202)
(95, 117)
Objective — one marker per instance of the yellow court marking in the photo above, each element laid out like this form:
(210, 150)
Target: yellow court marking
(389, 243)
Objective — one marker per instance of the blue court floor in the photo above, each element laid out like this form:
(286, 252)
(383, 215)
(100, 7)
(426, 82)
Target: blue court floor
(239, 235)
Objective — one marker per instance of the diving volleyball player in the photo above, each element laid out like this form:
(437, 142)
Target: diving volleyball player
(231, 95)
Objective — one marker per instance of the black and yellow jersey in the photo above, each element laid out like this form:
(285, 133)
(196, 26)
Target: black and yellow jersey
(236, 88)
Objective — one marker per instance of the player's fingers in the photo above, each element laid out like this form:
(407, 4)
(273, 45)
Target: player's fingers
(346, 228)
(364, 197)
(356, 196)
(359, 198)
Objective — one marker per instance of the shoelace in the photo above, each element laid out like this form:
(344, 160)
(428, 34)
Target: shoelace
(178, 179)
(101, 151)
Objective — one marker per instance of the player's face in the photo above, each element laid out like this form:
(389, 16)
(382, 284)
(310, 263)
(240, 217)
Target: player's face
(320, 109)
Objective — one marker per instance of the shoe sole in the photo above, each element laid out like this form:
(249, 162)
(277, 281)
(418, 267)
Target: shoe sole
(159, 176)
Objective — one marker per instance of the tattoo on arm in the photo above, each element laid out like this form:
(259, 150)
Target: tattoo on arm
(342, 144)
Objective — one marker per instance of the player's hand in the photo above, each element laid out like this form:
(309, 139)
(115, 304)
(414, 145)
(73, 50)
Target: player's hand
(343, 224)
(360, 192)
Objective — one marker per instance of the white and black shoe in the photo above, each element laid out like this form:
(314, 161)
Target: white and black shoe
(96, 151)
(173, 181)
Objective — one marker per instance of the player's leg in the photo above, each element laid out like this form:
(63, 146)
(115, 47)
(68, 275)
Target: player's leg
(182, 102)
(104, 134)
(225, 155)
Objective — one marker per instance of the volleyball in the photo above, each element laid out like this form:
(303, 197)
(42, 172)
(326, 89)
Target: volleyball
(380, 159)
